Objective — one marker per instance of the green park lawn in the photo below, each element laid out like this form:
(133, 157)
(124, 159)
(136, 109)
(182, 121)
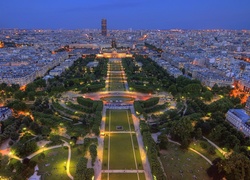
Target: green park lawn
(116, 76)
(115, 66)
(76, 152)
(116, 86)
(105, 153)
(116, 82)
(197, 146)
(53, 166)
(183, 164)
(121, 152)
(119, 118)
(123, 176)
(137, 152)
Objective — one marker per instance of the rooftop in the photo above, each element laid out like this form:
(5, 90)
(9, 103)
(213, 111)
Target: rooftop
(240, 113)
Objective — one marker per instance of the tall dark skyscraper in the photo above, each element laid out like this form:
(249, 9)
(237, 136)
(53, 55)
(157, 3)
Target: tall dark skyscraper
(104, 27)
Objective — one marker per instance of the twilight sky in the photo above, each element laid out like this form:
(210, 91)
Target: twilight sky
(124, 14)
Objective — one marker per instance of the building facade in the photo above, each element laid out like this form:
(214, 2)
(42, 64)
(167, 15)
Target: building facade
(247, 107)
(5, 112)
(104, 27)
(239, 119)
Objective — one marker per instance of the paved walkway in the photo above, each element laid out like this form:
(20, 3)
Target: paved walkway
(204, 157)
(69, 157)
(145, 162)
(53, 147)
(42, 150)
(122, 171)
(217, 147)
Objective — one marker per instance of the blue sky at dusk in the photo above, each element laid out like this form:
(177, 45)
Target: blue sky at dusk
(136, 14)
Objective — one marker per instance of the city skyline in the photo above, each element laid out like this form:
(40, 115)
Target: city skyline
(126, 14)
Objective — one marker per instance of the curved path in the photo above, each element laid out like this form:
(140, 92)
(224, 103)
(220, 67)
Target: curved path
(177, 143)
(214, 145)
(53, 147)
(204, 157)
(69, 157)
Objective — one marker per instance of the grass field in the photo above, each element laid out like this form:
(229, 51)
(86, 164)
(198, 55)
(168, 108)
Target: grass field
(121, 150)
(116, 83)
(123, 176)
(196, 145)
(115, 66)
(116, 86)
(53, 165)
(114, 76)
(116, 79)
(117, 118)
(76, 153)
(180, 164)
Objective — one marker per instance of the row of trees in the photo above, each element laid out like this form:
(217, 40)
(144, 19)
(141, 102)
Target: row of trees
(150, 78)
(152, 151)
(148, 106)
(23, 170)
(82, 172)
(187, 121)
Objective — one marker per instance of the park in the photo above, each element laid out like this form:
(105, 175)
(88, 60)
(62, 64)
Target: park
(93, 125)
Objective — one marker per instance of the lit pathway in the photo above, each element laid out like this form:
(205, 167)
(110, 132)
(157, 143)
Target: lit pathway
(123, 171)
(132, 145)
(42, 150)
(69, 157)
(146, 167)
(53, 147)
(217, 147)
(145, 162)
(204, 157)
(15, 157)
(98, 162)
(177, 143)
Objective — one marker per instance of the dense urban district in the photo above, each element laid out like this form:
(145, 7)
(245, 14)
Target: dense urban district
(127, 104)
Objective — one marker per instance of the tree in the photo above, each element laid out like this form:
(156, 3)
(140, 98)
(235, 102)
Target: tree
(14, 136)
(81, 167)
(93, 153)
(19, 95)
(173, 90)
(17, 105)
(163, 141)
(31, 95)
(208, 95)
(24, 149)
(214, 172)
(3, 161)
(193, 89)
(215, 88)
(181, 131)
(198, 133)
(237, 166)
(45, 130)
(35, 128)
(31, 87)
